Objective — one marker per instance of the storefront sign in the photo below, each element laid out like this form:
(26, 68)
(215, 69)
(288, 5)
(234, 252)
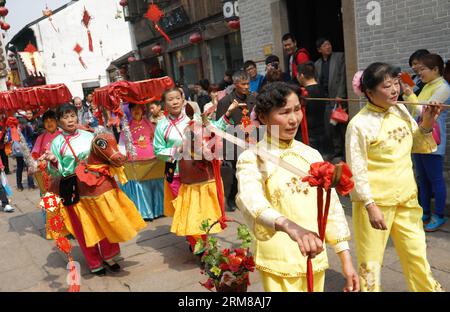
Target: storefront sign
(230, 9)
(174, 19)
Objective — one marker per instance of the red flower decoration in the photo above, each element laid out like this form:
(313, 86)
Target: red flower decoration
(226, 252)
(64, 245)
(240, 252)
(56, 224)
(209, 284)
(234, 263)
(249, 264)
(224, 267)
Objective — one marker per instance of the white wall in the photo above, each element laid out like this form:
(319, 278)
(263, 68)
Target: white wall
(65, 66)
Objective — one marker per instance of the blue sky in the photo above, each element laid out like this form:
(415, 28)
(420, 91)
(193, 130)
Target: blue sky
(22, 12)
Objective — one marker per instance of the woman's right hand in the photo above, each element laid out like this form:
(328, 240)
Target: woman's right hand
(309, 242)
(376, 217)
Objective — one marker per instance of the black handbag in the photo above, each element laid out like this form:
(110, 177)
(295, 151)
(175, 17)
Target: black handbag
(169, 171)
(69, 191)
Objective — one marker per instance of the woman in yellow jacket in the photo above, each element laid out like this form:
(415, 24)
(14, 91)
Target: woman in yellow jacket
(280, 209)
(379, 142)
(430, 167)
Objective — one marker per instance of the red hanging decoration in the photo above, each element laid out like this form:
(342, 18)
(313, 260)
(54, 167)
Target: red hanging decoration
(325, 176)
(78, 50)
(154, 14)
(3, 11)
(234, 24)
(30, 48)
(5, 26)
(86, 21)
(49, 13)
(157, 49)
(123, 3)
(195, 38)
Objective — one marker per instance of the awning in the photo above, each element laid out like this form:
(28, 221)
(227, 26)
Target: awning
(139, 92)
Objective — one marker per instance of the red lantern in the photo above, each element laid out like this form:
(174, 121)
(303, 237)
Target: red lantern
(195, 38)
(5, 26)
(3, 11)
(123, 3)
(131, 59)
(234, 24)
(157, 49)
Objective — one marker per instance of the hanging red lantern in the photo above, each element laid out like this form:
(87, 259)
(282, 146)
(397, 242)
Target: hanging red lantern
(5, 26)
(3, 11)
(234, 24)
(131, 59)
(86, 20)
(195, 38)
(123, 3)
(157, 49)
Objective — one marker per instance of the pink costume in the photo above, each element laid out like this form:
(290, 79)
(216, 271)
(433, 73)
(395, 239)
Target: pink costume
(142, 133)
(43, 143)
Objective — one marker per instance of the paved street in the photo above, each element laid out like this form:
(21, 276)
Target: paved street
(156, 260)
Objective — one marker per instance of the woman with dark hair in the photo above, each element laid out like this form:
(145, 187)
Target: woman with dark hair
(414, 62)
(430, 167)
(99, 222)
(379, 142)
(42, 145)
(279, 207)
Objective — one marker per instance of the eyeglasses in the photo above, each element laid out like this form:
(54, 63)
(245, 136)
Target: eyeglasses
(250, 69)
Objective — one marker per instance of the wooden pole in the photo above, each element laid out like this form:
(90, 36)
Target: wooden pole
(364, 100)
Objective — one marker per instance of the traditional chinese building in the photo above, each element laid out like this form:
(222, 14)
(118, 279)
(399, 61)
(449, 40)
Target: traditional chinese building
(203, 43)
(73, 44)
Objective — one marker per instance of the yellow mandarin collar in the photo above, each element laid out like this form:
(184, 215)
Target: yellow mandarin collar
(278, 143)
(435, 81)
(376, 108)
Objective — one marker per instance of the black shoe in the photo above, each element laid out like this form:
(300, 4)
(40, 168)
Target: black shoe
(20, 188)
(101, 272)
(114, 268)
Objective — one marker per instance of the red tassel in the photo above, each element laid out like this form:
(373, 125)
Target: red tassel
(310, 275)
(304, 126)
(91, 46)
(220, 195)
(325, 215)
(159, 29)
(82, 63)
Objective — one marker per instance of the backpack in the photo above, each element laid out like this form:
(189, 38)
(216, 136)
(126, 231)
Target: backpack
(16, 149)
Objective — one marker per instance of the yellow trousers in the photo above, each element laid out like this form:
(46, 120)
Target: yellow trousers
(275, 283)
(405, 227)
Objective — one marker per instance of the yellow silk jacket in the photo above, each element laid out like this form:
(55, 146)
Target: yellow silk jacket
(379, 143)
(267, 192)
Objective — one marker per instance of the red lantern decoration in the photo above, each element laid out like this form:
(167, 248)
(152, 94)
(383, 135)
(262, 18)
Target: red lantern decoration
(3, 11)
(157, 49)
(234, 24)
(5, 26)
(195, 38)
(131, 59)
(78, 50)
(123, 3)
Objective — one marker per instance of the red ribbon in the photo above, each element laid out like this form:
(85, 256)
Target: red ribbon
(321, 176)
(304, 123)
(91, 46)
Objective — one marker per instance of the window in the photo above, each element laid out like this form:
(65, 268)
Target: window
(226, 53)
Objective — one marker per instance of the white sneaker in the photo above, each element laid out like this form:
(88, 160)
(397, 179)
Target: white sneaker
(8, 208)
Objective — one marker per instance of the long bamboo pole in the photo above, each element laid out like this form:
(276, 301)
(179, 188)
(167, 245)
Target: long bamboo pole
(364, 100)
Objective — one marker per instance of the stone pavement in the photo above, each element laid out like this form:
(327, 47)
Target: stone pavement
(155, 260)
